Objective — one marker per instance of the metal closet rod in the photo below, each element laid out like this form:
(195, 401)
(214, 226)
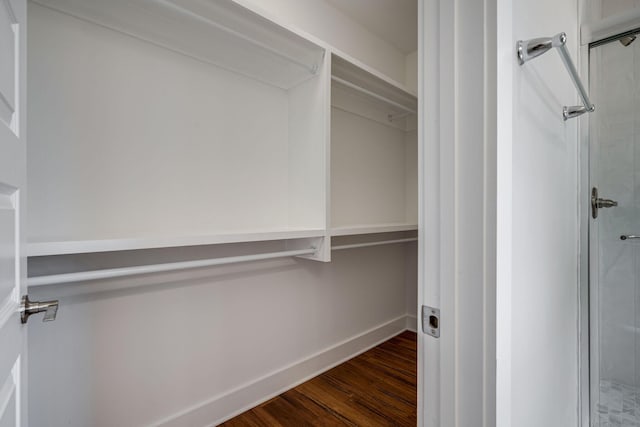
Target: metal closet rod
(83, 276)
(367, 244)
(529, 49)
(373, 94)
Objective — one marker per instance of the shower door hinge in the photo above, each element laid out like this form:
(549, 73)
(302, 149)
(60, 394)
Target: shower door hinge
(599, 203)
(431, 321)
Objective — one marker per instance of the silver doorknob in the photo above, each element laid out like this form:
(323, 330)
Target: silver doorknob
(27, 308)
(599, 203)
(629, 237)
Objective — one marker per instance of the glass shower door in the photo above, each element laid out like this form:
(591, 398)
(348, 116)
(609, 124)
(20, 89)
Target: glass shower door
(614, 262)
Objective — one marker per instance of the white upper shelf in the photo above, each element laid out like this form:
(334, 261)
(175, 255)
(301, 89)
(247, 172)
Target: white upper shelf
(352, 230)
(394, 98)
(219, 32)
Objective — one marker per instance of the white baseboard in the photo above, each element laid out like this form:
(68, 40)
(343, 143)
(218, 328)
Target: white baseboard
(412, 323)
(227, 405)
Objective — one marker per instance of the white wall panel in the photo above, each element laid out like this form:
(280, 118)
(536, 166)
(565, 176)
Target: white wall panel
(411, 71)
(411, 173)
(133, 352)
(543, 306)
(308, 152)
(197, 149)
(615, 7)
(367, 170)
(411, 280)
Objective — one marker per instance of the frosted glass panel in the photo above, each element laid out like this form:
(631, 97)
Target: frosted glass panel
(615, 270)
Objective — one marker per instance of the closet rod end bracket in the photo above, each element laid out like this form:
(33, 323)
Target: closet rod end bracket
(576, 111)
(532, 48)
(520, 50)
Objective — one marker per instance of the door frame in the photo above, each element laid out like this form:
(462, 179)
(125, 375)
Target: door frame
(436, 379)
(458, 212)
(584, 205)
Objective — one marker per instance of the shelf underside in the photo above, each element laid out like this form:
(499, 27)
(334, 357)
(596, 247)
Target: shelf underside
(218, 32)
(372, 229)
(396, 99)
(109, 245)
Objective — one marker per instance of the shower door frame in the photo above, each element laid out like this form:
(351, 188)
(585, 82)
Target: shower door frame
(584, 374)
(588, 300)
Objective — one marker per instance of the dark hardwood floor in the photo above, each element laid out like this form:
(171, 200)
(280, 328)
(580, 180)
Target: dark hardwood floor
(377, 388)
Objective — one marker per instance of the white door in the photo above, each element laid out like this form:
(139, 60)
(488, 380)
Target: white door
(12, 180)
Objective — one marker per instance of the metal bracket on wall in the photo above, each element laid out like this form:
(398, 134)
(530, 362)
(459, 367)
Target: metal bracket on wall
(529, 49)
(28, 307)
(431, 321)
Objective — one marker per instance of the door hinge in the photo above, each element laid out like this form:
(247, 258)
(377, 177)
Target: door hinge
(431, 321)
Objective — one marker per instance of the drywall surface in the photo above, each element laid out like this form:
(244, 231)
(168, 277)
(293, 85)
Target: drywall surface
(411, 279)
(139, 351)
(411, 175)
(600, 9)
(411, 71)
(321, 20)
(95, 108)
(370, 191)
(542, 307)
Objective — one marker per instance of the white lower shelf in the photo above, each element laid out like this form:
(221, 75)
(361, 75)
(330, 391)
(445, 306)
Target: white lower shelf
(89, 246)
(351, 230)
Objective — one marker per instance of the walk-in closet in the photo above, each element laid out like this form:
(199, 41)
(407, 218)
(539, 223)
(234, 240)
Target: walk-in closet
(222, 196)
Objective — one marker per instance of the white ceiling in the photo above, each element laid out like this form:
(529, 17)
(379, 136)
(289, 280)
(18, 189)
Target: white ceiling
(393, 20)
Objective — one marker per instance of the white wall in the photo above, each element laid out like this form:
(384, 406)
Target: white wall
(411, 288)
(71, 161)
(134, 352)
(599, 9)
(411, 71)
(321, 20)
(537, 222)
(364, 152)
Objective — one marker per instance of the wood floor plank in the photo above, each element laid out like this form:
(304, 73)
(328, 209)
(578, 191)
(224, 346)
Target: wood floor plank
(363, 377)
(377, 388)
